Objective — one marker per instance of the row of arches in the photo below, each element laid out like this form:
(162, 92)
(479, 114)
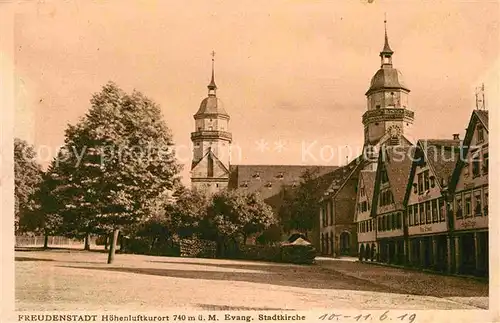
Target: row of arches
(367, 252)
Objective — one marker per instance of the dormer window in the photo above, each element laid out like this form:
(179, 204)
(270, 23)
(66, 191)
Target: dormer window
(294, 184)
(244, 184)
(280, 175)
(256, 175)
(269, 185)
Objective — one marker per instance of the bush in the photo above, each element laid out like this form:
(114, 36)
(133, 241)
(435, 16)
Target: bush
(295, 254)
(298, 254)
(160, 248)
(197, 248)
(259, 252)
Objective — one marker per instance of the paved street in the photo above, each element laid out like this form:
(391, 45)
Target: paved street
(77, 280)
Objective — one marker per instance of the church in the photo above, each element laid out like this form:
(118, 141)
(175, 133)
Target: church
(388, 120)
(211, 169)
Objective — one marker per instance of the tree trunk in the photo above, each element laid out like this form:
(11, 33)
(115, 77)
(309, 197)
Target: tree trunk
(45, 241)
(106, 240)
(152, 244)
(87, 242)
(112, 248)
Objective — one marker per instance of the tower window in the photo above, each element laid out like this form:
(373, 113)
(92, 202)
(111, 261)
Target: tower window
(377, 106)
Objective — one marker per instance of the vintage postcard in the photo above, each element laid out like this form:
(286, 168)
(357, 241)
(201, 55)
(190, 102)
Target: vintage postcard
(204, 161)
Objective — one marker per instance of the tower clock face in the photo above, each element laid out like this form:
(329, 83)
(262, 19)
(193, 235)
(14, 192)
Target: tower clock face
(394, 130)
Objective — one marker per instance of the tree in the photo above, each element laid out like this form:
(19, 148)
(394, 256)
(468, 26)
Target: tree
(301, 205)
(117, 161)
(260, 217)
(27, 177)
(188, 212)
(232, 214)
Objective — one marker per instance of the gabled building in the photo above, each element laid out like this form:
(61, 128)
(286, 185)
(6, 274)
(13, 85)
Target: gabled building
(428, 240)
(337, 210)
(469, 199)
(391, 180)
(365, 222)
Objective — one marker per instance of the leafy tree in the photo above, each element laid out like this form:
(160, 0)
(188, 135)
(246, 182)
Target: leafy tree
(115, 164)
(260, 216)
(232, 215)
(27, 177)
(188, 212)
(301, 205)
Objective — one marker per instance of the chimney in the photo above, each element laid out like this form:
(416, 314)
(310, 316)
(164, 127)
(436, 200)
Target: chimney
(456, 136)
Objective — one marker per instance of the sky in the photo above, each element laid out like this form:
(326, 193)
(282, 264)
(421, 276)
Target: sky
(291, 74)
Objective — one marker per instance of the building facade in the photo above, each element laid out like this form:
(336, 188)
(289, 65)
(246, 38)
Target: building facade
(469, 200)
(429, 244)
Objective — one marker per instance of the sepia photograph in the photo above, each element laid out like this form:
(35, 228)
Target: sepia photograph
(250, 160)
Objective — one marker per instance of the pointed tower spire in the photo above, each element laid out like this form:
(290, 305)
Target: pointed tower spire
(386, 53)
(212, 87)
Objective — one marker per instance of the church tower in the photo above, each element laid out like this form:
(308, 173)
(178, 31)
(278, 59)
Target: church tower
(211, 143)
(388, 119)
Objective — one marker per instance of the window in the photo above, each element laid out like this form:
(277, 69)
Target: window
(420, 183)
(393, 221)
(199, 128)
(468, 205)
(415, 214)
(331, 212)
(485, 202)
(210, 128)
(399, 221)
(415, 188)
(433, 181)
(459, 206)
(422, 214)
(370, 222)
(410, 216)
(434, 211)
(428, 212)
(442, 210)
(323, 215)
(466, 170)
(475, 166)
(362, 191)
(379, 224)
(480, 133)
(477, 203)
(377, 106)
(426, 180)
(485, 163)
(384, 177)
